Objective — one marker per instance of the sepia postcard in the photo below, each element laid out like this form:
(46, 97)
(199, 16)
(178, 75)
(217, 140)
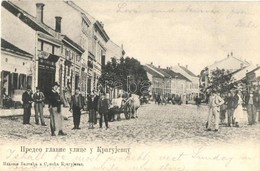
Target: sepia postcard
(130, 85)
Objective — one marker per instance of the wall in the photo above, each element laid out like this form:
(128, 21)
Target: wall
(16, 32)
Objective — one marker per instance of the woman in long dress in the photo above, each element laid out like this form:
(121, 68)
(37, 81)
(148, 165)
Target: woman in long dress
(240, 116)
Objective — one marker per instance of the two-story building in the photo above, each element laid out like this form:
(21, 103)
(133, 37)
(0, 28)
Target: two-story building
(55, 56)
(192, 87)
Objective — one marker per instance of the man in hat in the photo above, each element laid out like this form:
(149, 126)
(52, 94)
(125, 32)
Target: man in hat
(215, 101)
(76, 105)
(56, 118)
(27, 105)
(103, 106)
(38, 98)
(251, 103)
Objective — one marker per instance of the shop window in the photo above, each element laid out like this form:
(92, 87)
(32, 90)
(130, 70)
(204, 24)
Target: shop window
(22, 82)
(29, 81)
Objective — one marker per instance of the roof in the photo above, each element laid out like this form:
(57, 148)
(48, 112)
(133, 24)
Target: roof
(242, 73)
(176, 75)
(187, 71)
(160, 71)
(7, 46)
(152, 72)
(73, 44)
(228, 58)
(257, 68)
(27, 18)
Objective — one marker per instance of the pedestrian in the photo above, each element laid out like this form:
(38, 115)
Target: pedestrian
(27, 105)
(251, 102)
(76, 105)
(239, 116)
(38, 98)
(56, 118)
(92, 108)
(223, 110)
(215, 102)
(103, 106)
(230, 102)
(258, 105)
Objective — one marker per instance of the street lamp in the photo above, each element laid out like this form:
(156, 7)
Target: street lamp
(127, 81)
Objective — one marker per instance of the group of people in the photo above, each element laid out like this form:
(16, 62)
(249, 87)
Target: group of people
(229, 109)
(96, 106)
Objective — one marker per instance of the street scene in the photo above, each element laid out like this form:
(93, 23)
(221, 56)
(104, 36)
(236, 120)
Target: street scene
(172, 124)
(145, 75)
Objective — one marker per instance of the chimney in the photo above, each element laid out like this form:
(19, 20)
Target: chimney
(39, 12)
(187, 66)
(231, 54)
(178, 64)
(151, 63)
(58, 24)
(102, 24)
(159, 66)
(241, 65)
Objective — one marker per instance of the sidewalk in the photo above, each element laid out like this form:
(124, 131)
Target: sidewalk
(19, 112)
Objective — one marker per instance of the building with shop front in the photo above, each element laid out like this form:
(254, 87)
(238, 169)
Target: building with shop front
(56, 58)
(16, 73)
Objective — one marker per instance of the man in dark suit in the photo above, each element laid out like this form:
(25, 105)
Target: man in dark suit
(251, 103)
(76, 105)
(56, 118)
(27, 105)
(103, 106)
(92, 108)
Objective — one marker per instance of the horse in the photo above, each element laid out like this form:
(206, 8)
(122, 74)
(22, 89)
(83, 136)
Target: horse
(131, 106)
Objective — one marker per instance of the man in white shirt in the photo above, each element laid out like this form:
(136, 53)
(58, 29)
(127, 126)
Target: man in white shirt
(215, 101)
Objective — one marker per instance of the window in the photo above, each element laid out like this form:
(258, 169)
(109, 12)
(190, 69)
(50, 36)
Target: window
(22, 82)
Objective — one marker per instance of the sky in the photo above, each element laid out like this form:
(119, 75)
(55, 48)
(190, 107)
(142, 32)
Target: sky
(187, 33)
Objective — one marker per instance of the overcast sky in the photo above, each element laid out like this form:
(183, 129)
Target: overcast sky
(194, 34)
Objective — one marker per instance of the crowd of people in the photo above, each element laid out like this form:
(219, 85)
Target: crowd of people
(234, 109)
(97, 107)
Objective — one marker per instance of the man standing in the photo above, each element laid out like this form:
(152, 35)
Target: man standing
(38, 99)
(103, 106)
(230, 102)
(215, 101)
(251, 101)
(76, 105)
(92, 108)
(56, 118)
(27, 105)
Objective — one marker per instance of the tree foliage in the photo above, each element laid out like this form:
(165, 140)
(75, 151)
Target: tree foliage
(117, 73)
(220, 80)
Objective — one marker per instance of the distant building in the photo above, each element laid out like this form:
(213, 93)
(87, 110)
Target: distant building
(166, 82)
(193, 86)
(230, 63)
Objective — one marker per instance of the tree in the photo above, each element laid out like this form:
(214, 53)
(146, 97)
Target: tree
(220, 80)
(125, 73)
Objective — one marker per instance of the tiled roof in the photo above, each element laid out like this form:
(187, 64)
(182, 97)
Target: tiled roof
(160, 71)
(152, 72)
(27, 18)
(175, 74)
(7, 46)
(188, 71)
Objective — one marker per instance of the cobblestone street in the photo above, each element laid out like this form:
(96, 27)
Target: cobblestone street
(156, 124)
